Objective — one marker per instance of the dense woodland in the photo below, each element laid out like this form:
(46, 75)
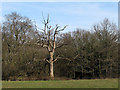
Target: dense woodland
(93, 53)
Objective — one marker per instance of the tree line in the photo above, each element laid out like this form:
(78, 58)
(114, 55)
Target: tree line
(27, 52)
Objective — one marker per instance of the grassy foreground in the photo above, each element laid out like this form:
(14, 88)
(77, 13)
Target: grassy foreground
(96, 83)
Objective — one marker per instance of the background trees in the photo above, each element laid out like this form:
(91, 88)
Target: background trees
(19, 50)
(94, 54)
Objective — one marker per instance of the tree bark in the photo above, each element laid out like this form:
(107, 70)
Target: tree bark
(51, 65)
(51, 70)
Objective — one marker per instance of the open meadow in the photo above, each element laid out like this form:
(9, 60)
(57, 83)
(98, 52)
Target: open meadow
(94, 83)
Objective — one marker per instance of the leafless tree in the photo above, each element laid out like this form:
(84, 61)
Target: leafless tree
(48, 41)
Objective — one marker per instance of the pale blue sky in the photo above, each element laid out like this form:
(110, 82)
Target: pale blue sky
(76, 15)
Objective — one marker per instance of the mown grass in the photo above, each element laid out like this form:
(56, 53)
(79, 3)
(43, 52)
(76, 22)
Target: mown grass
(94, 83)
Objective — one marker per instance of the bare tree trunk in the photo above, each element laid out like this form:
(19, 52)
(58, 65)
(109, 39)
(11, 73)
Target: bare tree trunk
(51, 70)
(51, 65)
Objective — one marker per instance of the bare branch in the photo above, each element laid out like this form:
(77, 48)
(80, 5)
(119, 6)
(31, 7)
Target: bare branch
(66, 59)
(51, 44)
(56, 32)
(76, 57)
(62, 28)
(46, 60)
(56, 28)
(44, 46)
(43, 37)
(58, 57)
(43, 18)
(61, 45)
(45, 25)
(48, 19)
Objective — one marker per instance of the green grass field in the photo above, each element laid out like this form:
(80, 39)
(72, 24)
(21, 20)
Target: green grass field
(94, 83)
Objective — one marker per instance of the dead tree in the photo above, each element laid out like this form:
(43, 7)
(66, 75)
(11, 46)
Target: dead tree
(48, 40)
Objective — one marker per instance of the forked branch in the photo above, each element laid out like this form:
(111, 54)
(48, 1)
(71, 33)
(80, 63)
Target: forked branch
(46, 60)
